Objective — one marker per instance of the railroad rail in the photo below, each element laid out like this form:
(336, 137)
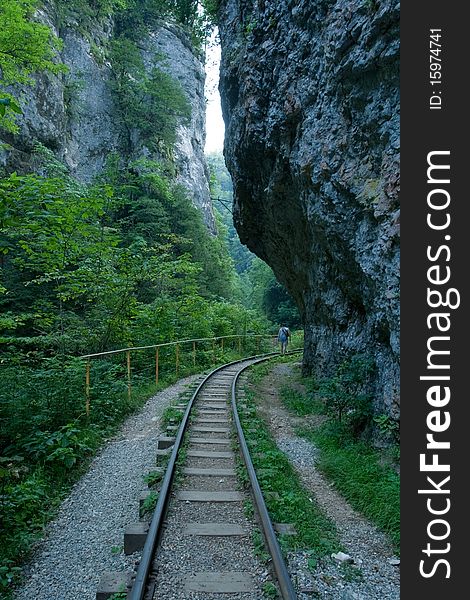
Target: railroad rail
(209, 434)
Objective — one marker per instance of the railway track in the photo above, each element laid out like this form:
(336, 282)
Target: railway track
(202, 505)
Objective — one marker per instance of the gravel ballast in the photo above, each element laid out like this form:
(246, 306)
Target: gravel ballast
(187, 563)
(87, 536)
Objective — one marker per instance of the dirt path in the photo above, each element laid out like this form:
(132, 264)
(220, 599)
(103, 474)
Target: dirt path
(370, 548)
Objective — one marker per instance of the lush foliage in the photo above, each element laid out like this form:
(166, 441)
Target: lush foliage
(28, 47)
(222, 193)
(344, 397)
(345, 393)
(136, 17)
(360, 475)
(152, 103)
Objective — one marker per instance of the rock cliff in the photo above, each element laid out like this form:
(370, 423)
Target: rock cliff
(76, 116)
(310, 97)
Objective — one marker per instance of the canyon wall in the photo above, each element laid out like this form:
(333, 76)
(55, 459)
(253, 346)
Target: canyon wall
(310, 98)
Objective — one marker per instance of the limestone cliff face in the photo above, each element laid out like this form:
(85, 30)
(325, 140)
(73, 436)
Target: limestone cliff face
(75, 114)
(310, 96)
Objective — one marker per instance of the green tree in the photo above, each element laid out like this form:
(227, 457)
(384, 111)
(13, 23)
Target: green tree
(346, 393)
(222, 194)
(54, 240)
(151, 103)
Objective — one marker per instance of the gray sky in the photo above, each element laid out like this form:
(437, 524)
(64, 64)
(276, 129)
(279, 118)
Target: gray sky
(214, 122)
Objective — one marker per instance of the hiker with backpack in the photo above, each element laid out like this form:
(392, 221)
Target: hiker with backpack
(283, 337)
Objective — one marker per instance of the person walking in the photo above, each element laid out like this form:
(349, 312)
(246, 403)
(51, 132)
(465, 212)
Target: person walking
(283, 337)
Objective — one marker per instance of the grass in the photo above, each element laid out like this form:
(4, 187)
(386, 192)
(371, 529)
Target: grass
(351, 573)
(356, 470)
(149, 504)
(286, 499)
(153, 478)
(298, 403)
(172, 416)
(354, 466)
(259, 545)
(270, 590)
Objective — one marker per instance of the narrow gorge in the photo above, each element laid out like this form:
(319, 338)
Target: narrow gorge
(310, 99)
(141, 272)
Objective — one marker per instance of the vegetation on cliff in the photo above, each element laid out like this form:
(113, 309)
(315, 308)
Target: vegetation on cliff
(26, 47)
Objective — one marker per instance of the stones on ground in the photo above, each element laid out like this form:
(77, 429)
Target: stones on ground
(394, 561)
(342, 557)
(208, 529)
(377, 578)
(86, 537)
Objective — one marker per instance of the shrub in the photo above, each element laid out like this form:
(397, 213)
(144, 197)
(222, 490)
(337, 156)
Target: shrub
(345, 393)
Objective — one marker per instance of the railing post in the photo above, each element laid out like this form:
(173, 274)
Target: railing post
(129, 390)
(156, 365)
(87, 388)
(257, 344)
(177, 358)
(240, 345)
(194, 354)
(222, 346)
(213, 350)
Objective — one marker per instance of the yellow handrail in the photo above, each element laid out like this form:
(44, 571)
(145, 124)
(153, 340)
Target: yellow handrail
(156, 347)
(220, 337)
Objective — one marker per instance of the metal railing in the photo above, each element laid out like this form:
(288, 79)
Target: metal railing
(217, 343)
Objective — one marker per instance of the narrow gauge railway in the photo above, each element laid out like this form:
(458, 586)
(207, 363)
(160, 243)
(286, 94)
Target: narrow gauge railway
(203, 508)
